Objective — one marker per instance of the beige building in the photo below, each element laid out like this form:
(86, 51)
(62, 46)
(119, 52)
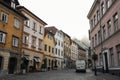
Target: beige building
(33, 35)
(11, 27)
(67, 50)
(74, 53)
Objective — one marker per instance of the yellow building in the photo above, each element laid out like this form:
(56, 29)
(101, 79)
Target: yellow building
(67, 50)
(11, 27)
(33, 35)
(49, 44)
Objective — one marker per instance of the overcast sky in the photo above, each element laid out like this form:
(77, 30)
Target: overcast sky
(67, 15)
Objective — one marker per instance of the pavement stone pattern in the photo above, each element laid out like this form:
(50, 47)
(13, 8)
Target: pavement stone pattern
(103, 76)
(62, 75)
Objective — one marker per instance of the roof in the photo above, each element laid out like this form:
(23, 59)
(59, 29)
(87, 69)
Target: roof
(52, 29)
(66, 34)
(79, 47)
(22, 7)
(9, 2)
(12, 9)
(47, 31)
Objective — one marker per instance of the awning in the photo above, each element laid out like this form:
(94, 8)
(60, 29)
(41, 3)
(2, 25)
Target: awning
(26, 57)
(37, 59)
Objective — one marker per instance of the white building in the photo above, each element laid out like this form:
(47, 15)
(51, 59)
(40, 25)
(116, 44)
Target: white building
(33, 35)
(59, 47)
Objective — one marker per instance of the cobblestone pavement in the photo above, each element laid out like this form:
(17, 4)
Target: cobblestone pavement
(103, 76)
(61, 75)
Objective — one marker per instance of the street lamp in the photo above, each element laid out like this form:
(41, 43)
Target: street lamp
(95, 57)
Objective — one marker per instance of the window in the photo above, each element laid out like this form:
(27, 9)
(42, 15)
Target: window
(40, 44)
(109, 27)
(45, 47)
(2, 37)
(104, 33)
(25, 39)
(59, 42)
(95, 20)
(49, 37)
(49, 48)
(91, 23)
(15, 41)
(16, 23)
(52, 50)
(118, 53)
(40, 30)
(95, 39)
(33, 41)
(56, 42)
(99, 36)
(27, 23)
(98, 15)
(59, 52)
(34, 26)
(13, 4)
(115, 18)
(111, 57)
(4, 17)
(102, 9)
(92, 42)
(56, 50)
(108, 3)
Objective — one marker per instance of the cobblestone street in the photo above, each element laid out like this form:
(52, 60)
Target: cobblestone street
(62, 75)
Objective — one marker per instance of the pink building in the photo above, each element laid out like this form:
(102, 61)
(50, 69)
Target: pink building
(104, 34)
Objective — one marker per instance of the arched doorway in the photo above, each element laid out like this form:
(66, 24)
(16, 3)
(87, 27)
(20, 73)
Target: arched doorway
(12, 65)
(36, 62)
(25, 63)
(44, 65)
(1, 62)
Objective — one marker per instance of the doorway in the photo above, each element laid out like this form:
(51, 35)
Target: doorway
(12, 65)
(1, 62)
(106, 63)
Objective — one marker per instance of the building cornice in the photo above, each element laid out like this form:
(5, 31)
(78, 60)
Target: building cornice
(92, 8)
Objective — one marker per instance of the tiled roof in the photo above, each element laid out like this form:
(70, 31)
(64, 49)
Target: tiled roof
(52, 29)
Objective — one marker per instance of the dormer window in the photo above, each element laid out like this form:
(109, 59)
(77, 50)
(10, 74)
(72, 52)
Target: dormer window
(13, 4)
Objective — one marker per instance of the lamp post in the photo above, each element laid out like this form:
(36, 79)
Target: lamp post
(94, 57)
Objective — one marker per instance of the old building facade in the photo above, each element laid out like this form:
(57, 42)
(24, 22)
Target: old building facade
(33, 35)
(59, 47)
(11, 27)
(104, 34)
(49, 44)
(67, 50)
(74, 53)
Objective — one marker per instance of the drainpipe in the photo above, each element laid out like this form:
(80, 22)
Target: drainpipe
(98, 1)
